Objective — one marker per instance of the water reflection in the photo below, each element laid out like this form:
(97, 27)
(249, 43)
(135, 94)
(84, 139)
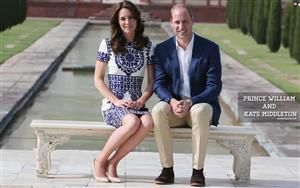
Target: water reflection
(72, 96)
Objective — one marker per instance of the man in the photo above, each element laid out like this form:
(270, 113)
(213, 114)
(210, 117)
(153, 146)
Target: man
(187, 79)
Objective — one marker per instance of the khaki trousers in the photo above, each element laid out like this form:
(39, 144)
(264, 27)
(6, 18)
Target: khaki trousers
(198, 119)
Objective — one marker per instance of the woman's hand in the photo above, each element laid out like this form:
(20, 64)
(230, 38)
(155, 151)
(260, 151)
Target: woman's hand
(136, 105)
(123, 103)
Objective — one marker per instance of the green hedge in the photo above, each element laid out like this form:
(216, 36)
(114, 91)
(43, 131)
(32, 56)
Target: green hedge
(286, 26)
(263, 20)
(250, 17)
(12, 12)
(292, 30)
(296, 45)
(274, 26)
(259, 23)
(244, 13)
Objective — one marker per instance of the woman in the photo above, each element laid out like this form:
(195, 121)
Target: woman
(125, 56)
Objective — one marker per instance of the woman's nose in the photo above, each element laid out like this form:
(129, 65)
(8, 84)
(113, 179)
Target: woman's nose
(127, 20)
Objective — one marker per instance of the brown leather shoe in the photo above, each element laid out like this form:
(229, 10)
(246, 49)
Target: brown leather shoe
(166, 177)
(198, 179)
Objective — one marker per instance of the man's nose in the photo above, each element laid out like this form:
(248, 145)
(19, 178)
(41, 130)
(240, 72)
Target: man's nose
(180, 25)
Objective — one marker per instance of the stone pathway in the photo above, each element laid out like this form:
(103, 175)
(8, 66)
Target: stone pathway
(73, 168)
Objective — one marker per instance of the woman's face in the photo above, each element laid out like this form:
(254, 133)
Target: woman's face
(127, 22)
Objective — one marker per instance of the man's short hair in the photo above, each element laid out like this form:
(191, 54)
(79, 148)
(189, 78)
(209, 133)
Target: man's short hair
(180, 5)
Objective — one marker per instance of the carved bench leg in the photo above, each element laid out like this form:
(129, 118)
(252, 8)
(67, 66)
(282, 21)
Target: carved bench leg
(45, 145)
(241, 150)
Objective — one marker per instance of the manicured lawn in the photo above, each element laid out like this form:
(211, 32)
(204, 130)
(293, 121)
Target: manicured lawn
(22, 36)
(278, 68)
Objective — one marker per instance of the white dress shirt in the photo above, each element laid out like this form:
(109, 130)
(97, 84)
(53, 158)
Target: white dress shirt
(185, 57)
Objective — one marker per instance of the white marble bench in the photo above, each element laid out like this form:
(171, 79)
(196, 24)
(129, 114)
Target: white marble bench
(51, 132)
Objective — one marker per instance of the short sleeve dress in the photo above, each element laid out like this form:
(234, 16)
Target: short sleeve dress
(125, 73)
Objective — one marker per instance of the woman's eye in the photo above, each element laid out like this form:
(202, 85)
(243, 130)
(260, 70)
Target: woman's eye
(128, 18)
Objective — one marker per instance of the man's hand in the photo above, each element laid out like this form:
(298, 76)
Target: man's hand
(174, 105)
(181, 108)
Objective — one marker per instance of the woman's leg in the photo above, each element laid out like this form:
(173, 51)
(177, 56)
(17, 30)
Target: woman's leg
(130, 124)
(130, 144)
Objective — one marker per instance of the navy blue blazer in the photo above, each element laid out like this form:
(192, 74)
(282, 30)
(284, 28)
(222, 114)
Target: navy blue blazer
(204, 73)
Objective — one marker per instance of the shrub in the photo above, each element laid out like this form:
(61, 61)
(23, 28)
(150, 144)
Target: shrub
(274, 26)
(292, 30)
(12, 12)
(296, 44)
(286, 26)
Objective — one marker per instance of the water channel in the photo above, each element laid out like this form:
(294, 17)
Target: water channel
(71, 95)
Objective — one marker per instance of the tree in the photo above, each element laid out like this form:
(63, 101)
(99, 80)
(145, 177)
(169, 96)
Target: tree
(12, 12)
(237, 13)
(267, 4)
(4, 13)
(259, 25)
(244, 13)
(274, 26)
(296, 45)
(229, 9)
(286, 26)
(292, 30)
(233, 13)
(250, 17)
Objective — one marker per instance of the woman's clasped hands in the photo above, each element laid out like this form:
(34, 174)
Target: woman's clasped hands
(135, 105)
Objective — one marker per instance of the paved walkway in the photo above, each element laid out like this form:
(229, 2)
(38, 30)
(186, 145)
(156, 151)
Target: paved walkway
(24, 74)
(73, 168)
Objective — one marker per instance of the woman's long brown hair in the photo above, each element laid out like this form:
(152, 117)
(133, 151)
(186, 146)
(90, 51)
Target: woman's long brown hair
(117, 38)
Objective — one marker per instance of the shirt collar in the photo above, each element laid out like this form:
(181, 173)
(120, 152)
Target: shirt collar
(190, 45)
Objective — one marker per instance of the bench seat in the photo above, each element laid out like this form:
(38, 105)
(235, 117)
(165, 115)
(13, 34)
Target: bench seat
(53, 132)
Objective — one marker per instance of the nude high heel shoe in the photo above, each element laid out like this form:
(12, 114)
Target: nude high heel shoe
(114, 179)
(103, 179)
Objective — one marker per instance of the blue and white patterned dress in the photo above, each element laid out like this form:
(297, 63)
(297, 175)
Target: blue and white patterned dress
(125, 73)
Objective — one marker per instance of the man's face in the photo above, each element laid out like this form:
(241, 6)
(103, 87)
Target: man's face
(181, 23)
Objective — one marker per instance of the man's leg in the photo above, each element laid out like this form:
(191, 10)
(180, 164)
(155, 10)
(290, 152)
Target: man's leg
(163, 119)
(199, 119)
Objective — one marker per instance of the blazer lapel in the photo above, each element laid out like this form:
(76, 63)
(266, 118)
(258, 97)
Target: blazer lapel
(195, 57)
(175, 63)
